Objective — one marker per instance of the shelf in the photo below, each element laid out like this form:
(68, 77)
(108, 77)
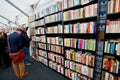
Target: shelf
(79, 73)
(54, 70)
(55, 53)
(54, 35)
(80, 6)
(80, 35)
(55, 44)
(40, 34)
(32, 35)
(115, 74)
(81, 20)
(53, 23)
(83, 50)
(39, 18)
(47, 15)
(80, 63)
(42, 56)
(112, 35)
(41, 49)
(113, 16)
(112, 55)
(55, 62)
(41, 42)
(39, 26)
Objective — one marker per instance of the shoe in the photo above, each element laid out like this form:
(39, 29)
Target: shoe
(25, 74)
(28, 64)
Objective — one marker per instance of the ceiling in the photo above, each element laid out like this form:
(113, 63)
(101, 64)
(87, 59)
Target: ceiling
(10, 12)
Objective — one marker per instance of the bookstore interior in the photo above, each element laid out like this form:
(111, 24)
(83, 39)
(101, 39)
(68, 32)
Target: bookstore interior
(78, 39)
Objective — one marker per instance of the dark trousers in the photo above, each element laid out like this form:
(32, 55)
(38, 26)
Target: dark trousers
(5, 60)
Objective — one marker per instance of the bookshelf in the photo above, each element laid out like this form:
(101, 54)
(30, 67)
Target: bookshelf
(80, 29)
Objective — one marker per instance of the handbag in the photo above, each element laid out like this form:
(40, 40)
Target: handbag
(18, 56)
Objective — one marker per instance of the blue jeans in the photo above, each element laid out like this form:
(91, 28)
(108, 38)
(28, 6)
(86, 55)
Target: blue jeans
(27, 52)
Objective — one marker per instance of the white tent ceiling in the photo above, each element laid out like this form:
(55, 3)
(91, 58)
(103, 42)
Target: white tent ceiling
(10, 12)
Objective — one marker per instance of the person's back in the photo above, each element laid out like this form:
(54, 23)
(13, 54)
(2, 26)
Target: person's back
(15, 42)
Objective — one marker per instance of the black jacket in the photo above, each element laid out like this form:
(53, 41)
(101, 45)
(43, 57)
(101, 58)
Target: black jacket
(25, 39)
(3, 45)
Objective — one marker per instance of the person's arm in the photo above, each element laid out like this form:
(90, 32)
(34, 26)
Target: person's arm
(27, 38)
(20, 41)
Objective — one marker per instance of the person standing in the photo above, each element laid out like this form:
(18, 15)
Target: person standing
(15, 44)
(4, 57)
(26, 45)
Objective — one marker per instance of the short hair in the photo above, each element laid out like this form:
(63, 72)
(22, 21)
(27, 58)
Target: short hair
(19, 29)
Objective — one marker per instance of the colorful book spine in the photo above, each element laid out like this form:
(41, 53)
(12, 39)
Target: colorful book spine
(56, 58)
(85, 12)
(43, 60)
(87, 44)
(55, 40)
(57, 67)
(113, 26)
(42, 53)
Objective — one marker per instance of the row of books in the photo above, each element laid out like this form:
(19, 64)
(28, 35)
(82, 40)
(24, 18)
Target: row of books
(53, 18)
(82, 69)
(74, 75)
(113, 26)
(112, 47)
(87, 44)
(40, 22)
(56, 58)
(55, 7)
(55, 40)
(109, 76)
(84, 12)
(111, 64)
(42, 46)
(89, 27)
(40, 30)
(72, 3)
(42, 53)
(84, 58)
(54, 29)
(55, 48)
(40, 38)
(57, 67)
(43, 60)
(113, 6)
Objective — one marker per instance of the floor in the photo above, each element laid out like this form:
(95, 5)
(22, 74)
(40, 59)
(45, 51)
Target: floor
(37, 71)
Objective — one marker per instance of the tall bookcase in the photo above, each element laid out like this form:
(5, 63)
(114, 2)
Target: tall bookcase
(79, 41)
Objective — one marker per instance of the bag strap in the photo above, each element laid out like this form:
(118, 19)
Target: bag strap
(8, 44)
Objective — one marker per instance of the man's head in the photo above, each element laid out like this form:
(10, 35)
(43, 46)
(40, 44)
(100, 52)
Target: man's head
(19, 30)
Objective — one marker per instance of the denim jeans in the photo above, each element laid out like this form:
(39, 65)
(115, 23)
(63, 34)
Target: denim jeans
(27, 52)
